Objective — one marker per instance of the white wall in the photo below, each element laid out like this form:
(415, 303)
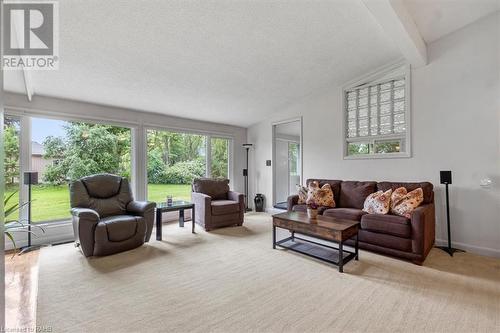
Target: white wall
(55, 107)
(455, 126)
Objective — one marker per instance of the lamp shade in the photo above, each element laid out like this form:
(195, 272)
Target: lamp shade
(31, 177)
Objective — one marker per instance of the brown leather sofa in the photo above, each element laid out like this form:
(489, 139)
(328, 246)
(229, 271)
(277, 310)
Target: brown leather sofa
(106, 219)
(215, 205)
(392, 235)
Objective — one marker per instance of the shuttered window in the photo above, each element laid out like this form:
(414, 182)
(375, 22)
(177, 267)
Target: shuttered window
(376, 117)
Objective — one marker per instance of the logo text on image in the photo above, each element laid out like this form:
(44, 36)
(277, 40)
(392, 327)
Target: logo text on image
(31, 35)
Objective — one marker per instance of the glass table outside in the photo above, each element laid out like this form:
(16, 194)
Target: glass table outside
(177, 205)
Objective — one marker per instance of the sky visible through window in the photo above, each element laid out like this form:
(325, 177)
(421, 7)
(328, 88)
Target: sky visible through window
(42, 128)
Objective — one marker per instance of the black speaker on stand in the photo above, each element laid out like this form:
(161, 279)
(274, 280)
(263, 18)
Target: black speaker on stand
(445, 177)
(30, 178)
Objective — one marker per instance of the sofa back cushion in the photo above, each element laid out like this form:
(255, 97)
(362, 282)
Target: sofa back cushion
(427, 188)
(334, 185)
(354, 193)
(217, 189)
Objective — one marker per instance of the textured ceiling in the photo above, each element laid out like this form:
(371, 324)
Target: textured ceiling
(231, 62)
(437, 18)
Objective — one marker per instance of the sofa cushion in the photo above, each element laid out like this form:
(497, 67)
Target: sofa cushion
(353, 193)
(223, 207)
(378, 202)
(302, 193)
(403, 203)
(320, 196)
(217, 189)
(385, 240)
(303, 208)
(334, 185)
(387, 224)
(121, 227)
(427, 188)
(345, 213)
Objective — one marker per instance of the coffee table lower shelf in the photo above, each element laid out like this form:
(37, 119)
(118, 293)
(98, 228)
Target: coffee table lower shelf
(319, 251)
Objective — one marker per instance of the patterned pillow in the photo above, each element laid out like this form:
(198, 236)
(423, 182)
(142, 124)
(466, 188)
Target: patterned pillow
(404, 203)
(320, 196)
(302, 191)
(378, 202)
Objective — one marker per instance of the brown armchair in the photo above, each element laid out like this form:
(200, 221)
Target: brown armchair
(106, 219)
(215, 205)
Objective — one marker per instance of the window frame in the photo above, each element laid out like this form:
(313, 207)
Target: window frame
(381, 75)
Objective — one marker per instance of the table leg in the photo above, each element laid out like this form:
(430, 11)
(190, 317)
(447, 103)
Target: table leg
(356, 248)
(274, 237)
(181, 218)
(193, 221)
(341, 257)
(158, 224)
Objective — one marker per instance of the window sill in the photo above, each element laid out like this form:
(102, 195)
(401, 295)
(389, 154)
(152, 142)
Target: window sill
(377, 156)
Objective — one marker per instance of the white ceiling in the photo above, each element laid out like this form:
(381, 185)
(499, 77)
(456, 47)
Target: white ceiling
(437, 18)
(231, 62)
(225, 61)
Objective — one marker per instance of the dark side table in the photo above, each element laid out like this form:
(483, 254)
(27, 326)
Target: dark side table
(177, 205)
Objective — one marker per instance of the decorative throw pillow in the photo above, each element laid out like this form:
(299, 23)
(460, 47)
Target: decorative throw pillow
(378, 202)
(404, 203)
(320, 196)
(302, 191)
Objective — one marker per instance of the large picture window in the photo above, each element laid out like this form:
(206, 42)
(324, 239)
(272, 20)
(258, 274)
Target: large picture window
(377, 116)
(62, 151)
(173, 161)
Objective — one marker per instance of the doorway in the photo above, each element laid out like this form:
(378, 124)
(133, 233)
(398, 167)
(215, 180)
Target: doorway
(287, 160)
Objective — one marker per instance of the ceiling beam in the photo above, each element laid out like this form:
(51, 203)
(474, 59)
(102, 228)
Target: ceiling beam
(28, 83)
(398, 24)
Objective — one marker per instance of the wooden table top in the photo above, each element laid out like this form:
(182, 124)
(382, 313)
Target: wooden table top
(325, 227)
(327, 222)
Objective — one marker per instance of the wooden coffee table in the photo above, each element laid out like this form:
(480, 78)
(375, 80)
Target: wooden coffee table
(324, 228)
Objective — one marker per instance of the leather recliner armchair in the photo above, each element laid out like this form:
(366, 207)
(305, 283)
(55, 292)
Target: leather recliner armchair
(106, 219)
(215, 205)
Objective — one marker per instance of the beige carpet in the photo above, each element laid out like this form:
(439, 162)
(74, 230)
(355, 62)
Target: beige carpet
(231, 280)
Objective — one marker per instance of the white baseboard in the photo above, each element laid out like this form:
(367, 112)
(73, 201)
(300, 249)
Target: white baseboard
(484, 251)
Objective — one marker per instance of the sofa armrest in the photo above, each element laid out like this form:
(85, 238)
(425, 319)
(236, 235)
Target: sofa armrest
(423, 229)
(292, 201)
(202, 207)
(146, 209)
(85, 221)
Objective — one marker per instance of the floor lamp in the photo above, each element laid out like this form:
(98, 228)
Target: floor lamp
(247, 146)
(30, 178)
(446, 180)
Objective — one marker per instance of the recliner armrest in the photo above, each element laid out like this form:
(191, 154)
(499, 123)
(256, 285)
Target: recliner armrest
(140, 207)
(85, 221)
(85, 213)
